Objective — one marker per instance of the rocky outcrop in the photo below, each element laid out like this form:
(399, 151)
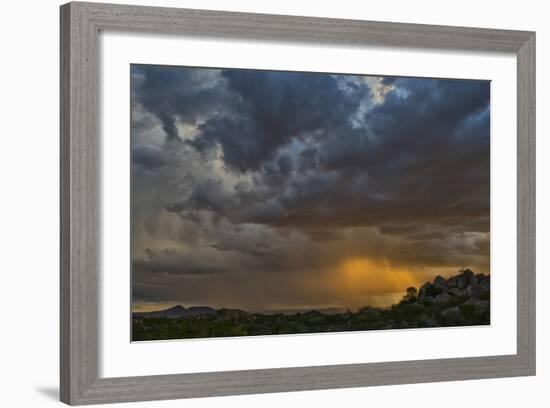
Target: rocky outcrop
(452, 316)
(461, 300)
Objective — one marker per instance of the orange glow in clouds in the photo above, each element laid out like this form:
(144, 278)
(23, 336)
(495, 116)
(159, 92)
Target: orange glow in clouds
(371, 277)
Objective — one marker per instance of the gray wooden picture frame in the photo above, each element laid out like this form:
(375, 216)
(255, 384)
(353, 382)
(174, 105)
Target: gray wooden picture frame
(81, 24)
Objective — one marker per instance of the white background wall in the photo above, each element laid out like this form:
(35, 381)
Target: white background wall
(29, 203)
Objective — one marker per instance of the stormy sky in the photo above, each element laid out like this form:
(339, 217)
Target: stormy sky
(267, 190)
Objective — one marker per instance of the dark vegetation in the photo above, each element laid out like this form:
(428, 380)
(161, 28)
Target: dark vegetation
(462, 300)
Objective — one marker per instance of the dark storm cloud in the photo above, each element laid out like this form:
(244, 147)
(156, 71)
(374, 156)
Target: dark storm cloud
(274, 108)
(290, 174)
(413, 126)
(172, 94)
(413, 152)
(180, 267)
(148, 156)
(421, 154)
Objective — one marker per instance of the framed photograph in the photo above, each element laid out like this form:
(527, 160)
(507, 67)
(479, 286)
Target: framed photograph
(261, 203)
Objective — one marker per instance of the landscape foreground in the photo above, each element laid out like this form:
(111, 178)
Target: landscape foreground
(462, 300)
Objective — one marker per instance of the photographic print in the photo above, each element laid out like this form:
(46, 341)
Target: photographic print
(272, 202)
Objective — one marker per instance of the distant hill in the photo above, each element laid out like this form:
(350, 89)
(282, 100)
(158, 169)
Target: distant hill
(180, 312)
(176, 312)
